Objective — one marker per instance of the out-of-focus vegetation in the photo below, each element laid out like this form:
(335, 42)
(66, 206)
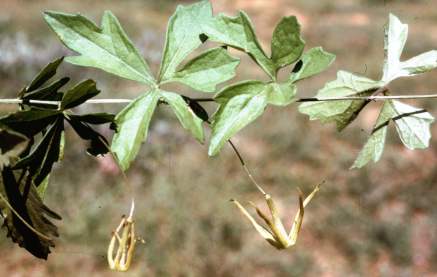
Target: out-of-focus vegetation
(379, 221)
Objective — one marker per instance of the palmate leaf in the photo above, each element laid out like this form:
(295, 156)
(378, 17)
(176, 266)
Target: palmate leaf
(340, 112)
(412, 125)
(207, 70)
(183, 36)
(396, 34)
(21, 195)
(133, 125)
(107, 48)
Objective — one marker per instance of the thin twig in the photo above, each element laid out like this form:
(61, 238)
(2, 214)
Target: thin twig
(309, 99)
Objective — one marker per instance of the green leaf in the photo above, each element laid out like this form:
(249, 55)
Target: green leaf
(40, 160)
(42, 188)
(372, 150)
(21, 194)
(396, 35)
(44, 75)
(287, 44)
(314, 61)
(107, 48)
(345, 111)
(133, 124)
(186, 116)
(249, 87)
(239, 33)
(412, 125)
(79, 94)
(183, 36)
(207, 70)
(12, 144)
(281, 94)
(98, 143)
(233, 116)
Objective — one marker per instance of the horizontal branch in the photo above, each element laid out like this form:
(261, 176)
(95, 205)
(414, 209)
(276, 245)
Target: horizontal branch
(309, 99)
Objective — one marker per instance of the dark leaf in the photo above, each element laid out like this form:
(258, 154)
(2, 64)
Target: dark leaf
(197, 108)
(95, 118)
(12, 144)
(21, 195)
(79, 94)
(49, 92)
(40, 160)
(99, 144)
(48, 72)
(30, 122)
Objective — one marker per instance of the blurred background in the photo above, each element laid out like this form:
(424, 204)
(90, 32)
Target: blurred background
(378, 221)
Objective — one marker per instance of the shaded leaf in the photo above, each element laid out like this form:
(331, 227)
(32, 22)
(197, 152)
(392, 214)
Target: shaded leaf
(107, 48)
(98, 143)
(29, 122)
(95, 118)
(314, 61)
(207, 70)
(12, 144)
(197, 109)
(233, 116)
(186, 116)
(22, 196)
(345, 111)
(47, 93)
(183, 36)
(79, 94)
(44, 75)
(40, 160)
(287, 44)
(133, 124)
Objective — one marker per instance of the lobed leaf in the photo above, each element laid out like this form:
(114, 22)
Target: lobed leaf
(183, 36)
(396, 35)
(186, 116)
(372, 150)
(281, 94)
(107, 48)
(207, 70)
(238, 32)
(133, 124)
(233, 116)
(345, 111)
(313, 61)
